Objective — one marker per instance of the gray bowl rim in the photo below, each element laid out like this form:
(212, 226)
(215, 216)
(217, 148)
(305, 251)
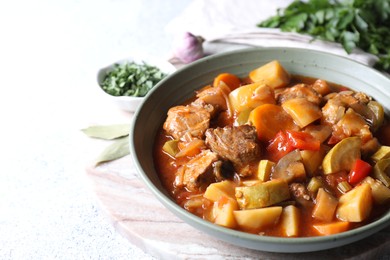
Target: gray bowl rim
(318, 242)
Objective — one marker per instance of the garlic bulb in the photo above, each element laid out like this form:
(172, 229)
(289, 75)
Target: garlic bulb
(188, 48)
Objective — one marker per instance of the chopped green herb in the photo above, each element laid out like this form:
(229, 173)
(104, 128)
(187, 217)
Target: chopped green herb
(132, 79)
(353, 23)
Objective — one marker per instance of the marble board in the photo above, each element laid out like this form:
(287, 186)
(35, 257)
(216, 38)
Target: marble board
(145, 222)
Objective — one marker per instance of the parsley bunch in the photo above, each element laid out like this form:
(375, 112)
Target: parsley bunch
(353, 23)
(132, 79)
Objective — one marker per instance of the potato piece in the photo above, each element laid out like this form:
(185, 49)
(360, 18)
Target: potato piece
(271, 74)
(319, 132)
(325, 206)
(218, 190)
(251, 96)
(251, 182)
(355, 205)
(382, 153)
(380, 193)
(257, 219)
(302, 111)
(263, 194)
(264, 170)
(331, 228)
(223, 212)
(290, 221)
(342, 156)
(312, 160)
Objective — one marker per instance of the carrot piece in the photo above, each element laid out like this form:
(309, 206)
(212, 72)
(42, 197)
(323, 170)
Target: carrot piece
(190, 149)
(231, 80)
(269, 119)
(331, 228)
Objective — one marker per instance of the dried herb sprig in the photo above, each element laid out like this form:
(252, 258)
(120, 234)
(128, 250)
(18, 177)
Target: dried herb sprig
(119, 136)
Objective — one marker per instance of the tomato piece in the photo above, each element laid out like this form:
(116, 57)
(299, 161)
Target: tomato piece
(359, 171)
(286, 141)
(335, 178)
(303, 140)
(279, 146)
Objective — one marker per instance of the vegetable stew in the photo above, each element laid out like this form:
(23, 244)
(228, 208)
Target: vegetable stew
(277, 154)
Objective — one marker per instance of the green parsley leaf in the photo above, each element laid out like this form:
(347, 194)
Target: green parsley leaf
(363, 24)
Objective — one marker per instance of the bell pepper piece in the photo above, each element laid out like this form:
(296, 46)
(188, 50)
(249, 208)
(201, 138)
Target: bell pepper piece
(359, 171)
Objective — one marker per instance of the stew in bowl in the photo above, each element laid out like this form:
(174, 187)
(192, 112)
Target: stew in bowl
(193, 201)
(277, 154)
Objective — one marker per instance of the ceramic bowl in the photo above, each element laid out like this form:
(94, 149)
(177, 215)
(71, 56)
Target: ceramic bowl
(180, 86)
(129, 103)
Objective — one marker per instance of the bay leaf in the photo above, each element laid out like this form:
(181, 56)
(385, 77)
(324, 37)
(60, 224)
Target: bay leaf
(118, 149)
(108, 132)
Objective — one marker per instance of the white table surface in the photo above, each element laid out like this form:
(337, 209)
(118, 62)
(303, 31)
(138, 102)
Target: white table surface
(49, 54)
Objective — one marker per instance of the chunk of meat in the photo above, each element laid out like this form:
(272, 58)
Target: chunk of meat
(299, 91)
(299, 192)
(216, 96)
(199, 103)
(338, 104)
(351, 124)
(198, 172)
(187, 122)
(238, 144)
(362, 97)
(321, 87)
(333, 111)
(348, 114)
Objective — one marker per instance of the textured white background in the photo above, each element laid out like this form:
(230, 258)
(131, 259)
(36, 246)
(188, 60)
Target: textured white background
(49, 54)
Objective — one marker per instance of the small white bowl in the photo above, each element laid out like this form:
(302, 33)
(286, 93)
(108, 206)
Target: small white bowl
(129, 103)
